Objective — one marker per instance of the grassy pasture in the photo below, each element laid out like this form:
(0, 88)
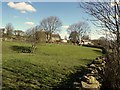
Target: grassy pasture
(50, 65)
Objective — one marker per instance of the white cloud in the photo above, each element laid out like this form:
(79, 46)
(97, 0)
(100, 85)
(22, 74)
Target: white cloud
(65, 27)
(29, 23)
(22, 6)
(23, 11)
(29, 1)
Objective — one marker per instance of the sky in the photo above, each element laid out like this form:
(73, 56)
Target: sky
(24, 15)
(0, 13)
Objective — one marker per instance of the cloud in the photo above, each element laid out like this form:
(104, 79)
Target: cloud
(23, 11)
(29, 23)
(22, 6)
(65, 27)
(29, 1)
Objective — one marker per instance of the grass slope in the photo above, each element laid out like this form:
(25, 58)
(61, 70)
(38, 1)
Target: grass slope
(48, 67)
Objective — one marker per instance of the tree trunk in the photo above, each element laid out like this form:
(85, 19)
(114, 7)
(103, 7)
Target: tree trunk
(50, 38)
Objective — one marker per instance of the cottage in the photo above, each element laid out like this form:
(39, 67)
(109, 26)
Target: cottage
(42, 36)
(63, 41)
(86, 42)
(55, 38)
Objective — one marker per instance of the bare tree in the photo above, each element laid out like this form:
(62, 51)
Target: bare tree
(31, 33)
(9, 27)
(2, 32)
(18, 32)
(85, 37)
(108, 15)
(50, 25)
(79, 29)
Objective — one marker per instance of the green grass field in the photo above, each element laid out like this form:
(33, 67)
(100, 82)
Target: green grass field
(50, 65)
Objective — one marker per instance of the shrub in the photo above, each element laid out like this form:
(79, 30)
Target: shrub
(22, 49)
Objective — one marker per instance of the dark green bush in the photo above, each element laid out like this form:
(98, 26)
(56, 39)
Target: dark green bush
(22, 49)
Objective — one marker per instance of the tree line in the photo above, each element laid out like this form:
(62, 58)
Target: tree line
(50, 25)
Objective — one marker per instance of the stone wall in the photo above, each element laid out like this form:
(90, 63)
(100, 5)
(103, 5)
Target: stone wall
(92, 79)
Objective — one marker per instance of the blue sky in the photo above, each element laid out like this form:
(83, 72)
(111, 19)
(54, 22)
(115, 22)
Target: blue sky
(24, 18)
(0, 13)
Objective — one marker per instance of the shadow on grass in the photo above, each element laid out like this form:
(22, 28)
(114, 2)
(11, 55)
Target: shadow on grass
(68, 84)
(21, 49)
(23, 74)
(98, 51)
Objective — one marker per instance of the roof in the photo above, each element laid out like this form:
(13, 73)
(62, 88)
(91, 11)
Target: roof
(56, 35)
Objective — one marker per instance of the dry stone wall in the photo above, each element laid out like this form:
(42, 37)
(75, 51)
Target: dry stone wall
(92, 79)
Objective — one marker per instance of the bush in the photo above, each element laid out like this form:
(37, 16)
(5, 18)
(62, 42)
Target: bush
(22, 49)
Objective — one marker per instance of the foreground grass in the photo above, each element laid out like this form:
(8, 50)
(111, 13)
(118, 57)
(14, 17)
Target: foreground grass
(48, 67)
